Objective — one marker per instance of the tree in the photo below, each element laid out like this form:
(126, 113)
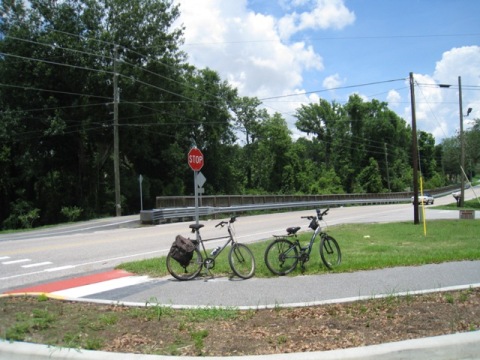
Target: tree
(472, 149)
(370, 179)
(451, 158)
(247, 119)
(426, 154)
(319, 119)
(56, 73)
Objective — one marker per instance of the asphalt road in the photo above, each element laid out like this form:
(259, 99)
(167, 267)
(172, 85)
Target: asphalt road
(64, 252)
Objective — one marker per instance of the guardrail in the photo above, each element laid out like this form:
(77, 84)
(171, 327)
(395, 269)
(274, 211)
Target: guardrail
(170, 208)
(165, 214)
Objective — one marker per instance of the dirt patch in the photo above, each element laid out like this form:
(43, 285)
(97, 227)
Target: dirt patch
(222, 332)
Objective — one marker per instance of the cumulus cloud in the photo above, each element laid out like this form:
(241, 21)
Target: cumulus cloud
(244, 47)
(437, 109)
(333, 81)
(326, 14)
(393, 98)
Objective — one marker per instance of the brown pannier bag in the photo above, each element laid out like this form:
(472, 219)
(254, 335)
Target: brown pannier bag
(182, 250)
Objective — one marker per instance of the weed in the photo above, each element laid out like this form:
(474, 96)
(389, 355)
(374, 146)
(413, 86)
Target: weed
(42, 297)
(17, 332)
(463, 296)
(108, 319)
(196, 315)
(155, 310)
(182, 326)
(197, 337)
(42, 319)
(449, 298)
(282, 339)
(72, 340)
(93, 344)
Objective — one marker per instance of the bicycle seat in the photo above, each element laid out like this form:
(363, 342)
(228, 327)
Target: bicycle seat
(196, 226)
(292, 230)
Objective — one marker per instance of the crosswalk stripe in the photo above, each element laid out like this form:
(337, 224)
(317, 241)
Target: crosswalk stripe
(85, 290)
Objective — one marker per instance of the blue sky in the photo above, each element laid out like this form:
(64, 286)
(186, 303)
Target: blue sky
(273, 48)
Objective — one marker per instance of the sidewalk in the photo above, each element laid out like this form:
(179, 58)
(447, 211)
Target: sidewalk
(290, 291)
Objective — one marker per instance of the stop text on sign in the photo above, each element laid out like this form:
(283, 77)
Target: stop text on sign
(195, 159)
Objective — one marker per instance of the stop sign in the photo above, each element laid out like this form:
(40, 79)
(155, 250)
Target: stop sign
(195, 159)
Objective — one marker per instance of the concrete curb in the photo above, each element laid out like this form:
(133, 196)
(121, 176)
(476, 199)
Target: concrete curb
(457, 346)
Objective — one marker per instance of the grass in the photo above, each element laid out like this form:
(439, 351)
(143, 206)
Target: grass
(467, 205)
(363, 246)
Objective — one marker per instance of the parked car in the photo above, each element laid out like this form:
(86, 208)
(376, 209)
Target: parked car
(425, 199)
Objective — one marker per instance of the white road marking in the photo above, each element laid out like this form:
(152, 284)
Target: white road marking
(60, 268)
(37, 264)
(81, 291)
(15, 261)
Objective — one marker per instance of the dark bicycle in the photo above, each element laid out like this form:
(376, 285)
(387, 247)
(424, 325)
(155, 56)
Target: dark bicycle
(240, 257)
(283, 255)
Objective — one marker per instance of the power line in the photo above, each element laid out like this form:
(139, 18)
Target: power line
(330, 89)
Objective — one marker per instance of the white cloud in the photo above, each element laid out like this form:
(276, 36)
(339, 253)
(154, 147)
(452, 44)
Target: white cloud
(332, 82)
(393, 98)
(437, 109)
(244, 47)
(326, 14)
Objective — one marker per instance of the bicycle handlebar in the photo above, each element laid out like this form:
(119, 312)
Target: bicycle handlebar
(223, 223)
(319, 215)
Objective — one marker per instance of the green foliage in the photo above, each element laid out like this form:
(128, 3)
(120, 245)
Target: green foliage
(22, 215)
(71, 213)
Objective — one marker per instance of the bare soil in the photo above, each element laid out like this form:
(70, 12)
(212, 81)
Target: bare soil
(221, 332)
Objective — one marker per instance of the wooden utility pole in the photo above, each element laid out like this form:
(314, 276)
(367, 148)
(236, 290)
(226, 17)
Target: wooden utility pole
(462, 146)
(416, 219)
(116, 155)
(386, 163)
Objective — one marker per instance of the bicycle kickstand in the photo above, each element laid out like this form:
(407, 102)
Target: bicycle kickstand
(302, 266)
(207, 273)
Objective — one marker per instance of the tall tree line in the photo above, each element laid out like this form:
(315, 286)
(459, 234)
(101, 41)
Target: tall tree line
(57, 62)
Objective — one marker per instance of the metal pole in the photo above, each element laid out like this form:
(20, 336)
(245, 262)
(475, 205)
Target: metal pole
(116, 155)
(195, 185)
(462, 145)
(140, 180)
(416, 219)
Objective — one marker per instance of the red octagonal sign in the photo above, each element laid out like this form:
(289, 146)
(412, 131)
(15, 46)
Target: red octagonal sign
(195, 159)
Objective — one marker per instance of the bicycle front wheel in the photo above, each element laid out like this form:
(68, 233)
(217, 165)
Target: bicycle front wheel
(242, 261)
(281, 256)
(330, 252)
(185, 272)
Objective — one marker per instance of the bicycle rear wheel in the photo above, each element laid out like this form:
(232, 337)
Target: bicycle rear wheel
(281, 256)
(242, 261)
(185, 272)
(330, 252)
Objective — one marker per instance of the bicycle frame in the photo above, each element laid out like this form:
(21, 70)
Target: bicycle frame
(240, 257)
(308, 248)
(230, 237)
(283, 255)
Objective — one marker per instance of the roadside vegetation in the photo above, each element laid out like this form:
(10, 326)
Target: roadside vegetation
(159, 329)
(468, 205)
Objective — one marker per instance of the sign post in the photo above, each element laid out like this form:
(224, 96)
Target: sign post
(140, 180)
(195, 161)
